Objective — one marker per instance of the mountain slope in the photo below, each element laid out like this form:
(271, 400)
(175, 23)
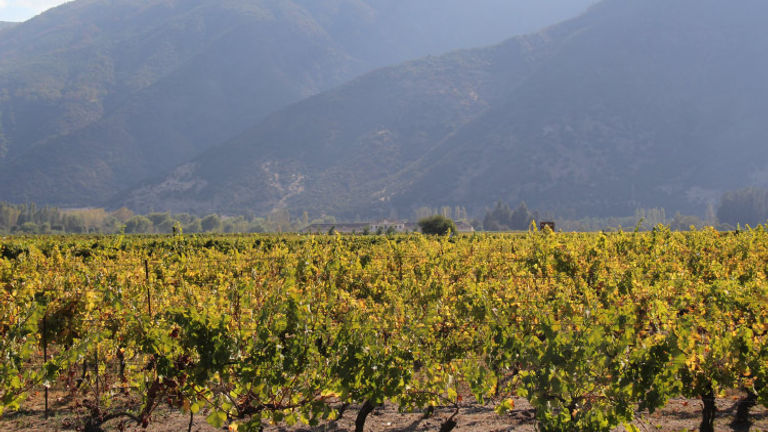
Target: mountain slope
(637, 103)
(646, 104)
(146, 94)
(97, 95)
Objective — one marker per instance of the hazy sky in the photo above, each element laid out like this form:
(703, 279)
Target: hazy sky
(22, 10)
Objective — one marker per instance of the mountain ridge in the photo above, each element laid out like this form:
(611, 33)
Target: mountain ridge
(633, 104)
(97, 96)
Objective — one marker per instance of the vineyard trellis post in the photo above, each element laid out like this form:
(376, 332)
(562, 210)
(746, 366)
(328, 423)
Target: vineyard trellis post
(149, 295)
(96, 373)
(45, 359)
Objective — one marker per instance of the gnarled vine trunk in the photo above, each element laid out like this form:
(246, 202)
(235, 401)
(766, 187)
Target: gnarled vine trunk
(366, 409)
(743, 407)
(709, 412)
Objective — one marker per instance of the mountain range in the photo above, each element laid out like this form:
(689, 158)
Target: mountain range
(97, 96)
(636, 103)
(243, 106)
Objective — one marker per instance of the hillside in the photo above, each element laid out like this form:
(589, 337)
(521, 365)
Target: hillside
(98, 95)
(638, 103)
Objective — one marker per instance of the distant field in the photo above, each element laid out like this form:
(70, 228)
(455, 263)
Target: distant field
(562, 332)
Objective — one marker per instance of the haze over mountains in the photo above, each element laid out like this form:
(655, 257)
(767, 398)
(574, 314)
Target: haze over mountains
(97, 95)
(638, 103)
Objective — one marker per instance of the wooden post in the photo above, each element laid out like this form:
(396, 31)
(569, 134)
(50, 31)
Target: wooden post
(45, 358)
(96, 371)
(149, 295)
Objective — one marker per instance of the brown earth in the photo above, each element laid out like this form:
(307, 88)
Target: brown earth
(679, 415)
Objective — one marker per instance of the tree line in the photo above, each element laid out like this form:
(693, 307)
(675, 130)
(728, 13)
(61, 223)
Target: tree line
(747, 206)
(33, 219)
(744, 207)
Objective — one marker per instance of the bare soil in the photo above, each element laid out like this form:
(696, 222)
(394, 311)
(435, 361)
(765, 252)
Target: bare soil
(679, 415)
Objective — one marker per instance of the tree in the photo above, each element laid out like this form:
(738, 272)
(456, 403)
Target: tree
(194, 226)
(29, 228)
(437, 224)
(138, 225)
(746, 206)
(74, 224)
(122, 214)
(503, 218)
(685, 222)
(162, 222)
(211, 223)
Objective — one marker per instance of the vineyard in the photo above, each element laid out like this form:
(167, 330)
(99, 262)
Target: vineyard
(249, 331)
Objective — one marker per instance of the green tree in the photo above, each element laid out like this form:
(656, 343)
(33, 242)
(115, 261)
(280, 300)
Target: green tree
(437, 224)
(211, 223)
(29, 228)
(503, 218)
(138, 225)
(746, 206)
(162, 222)
(194, 226)
(685, 222)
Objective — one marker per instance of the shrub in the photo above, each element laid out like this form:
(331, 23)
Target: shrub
(437, 224)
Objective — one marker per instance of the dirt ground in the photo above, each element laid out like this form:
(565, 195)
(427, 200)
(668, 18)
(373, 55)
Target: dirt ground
(679, 415)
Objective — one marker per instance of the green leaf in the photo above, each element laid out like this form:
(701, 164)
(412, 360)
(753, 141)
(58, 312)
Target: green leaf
(216, 419)
(195, 408)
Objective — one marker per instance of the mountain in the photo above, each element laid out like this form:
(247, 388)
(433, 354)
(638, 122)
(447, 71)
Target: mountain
(637, 103)
(98, 95)
(4, 25)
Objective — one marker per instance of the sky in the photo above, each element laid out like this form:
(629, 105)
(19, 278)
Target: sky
(22, 10)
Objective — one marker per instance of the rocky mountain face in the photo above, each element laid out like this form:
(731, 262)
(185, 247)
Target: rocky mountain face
(637, 103)
(99, 95)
